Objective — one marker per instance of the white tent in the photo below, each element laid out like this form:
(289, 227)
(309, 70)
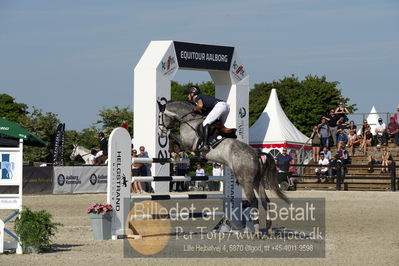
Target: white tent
(372, 120)
(273, 129)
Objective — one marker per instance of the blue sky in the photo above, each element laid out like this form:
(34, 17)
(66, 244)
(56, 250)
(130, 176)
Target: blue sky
(74, 58)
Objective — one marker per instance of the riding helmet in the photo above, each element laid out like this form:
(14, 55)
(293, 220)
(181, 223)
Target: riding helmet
(193, 89)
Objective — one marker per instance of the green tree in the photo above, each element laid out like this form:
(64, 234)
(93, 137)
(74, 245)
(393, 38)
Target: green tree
(43, 125)
(304, 102)
(178, 90)
(11, 110)
(112, 118)
(88, 138)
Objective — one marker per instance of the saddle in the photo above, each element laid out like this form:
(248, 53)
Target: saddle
(101, 160)
(217, 133)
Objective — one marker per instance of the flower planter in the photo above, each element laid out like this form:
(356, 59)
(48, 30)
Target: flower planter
(101, 225)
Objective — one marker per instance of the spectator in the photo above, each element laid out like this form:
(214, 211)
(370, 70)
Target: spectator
(352, 126)
(393, 130)
(342, 138)
(341, 111)
(341, 124)
(181, 169)
(344, 155)
(386, 160)
(366, 137)
(327, 153)
(353, 141)
(332, 171)
(199, 172)
(375, 158)
(322, 170)
(283, 161)
(325, 133)
(316, 143)
(145, 169)
(217, 170)
(136, 186)
(381, 133)
(144, 154)
(332, 120)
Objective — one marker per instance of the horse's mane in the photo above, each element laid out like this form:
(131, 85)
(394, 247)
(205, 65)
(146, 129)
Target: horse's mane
(187, 103)
(182, 108)
(180, 105)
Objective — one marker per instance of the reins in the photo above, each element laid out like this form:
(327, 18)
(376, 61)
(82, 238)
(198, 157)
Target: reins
(181, 120)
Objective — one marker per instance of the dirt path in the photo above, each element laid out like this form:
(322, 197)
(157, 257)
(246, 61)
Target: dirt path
(361, 229)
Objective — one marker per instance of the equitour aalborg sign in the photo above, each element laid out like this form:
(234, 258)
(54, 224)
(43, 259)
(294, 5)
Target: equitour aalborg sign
(203, 56)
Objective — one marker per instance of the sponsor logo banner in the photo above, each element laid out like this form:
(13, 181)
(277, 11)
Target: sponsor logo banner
(7, 167)
(202, 56)
(168, 65)
(10, 168)
(238, 71)
(80, 179)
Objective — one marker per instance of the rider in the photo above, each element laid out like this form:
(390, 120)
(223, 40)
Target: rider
(103, 150)
(211, 107)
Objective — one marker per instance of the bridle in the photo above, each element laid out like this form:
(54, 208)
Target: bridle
(161, 123)
(75, 152)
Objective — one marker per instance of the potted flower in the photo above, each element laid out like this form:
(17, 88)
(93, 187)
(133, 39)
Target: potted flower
(34, 229)
(101, 219)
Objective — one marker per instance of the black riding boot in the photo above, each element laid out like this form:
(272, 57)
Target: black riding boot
(205, 144)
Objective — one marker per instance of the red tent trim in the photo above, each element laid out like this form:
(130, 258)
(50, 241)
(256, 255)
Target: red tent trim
(280, 145)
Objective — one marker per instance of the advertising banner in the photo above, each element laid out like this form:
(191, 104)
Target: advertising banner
(80, 179)
(203, 56)
(11, 175)
(10, 172)
(38, 180)
(58, 154)
(119, 178)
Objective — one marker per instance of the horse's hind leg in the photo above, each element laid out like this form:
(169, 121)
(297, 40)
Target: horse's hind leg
(265, 203)
(253, 202)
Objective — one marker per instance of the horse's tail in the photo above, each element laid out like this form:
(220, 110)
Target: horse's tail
(268, 178)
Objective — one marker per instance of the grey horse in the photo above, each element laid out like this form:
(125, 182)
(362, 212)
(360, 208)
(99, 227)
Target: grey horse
(254, 171)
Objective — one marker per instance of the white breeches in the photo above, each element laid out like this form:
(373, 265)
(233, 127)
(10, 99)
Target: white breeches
(98, 154)
(220, 111)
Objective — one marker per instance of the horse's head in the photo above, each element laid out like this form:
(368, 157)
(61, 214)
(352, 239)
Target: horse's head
(172, 112)
(74, 152)
(165, 119)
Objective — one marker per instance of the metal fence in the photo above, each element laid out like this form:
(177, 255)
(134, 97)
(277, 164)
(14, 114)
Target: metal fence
(341, 178)
(359, 117)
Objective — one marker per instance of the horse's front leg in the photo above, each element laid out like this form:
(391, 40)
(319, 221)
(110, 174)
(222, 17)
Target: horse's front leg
(175, 137)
